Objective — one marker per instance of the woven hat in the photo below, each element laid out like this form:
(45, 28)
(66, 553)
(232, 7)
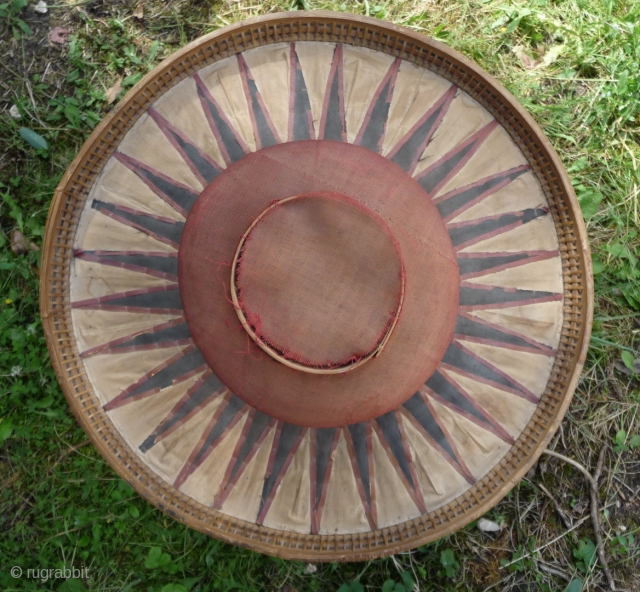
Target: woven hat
(319, 287)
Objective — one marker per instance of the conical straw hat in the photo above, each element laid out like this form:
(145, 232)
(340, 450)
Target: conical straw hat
(319, 287)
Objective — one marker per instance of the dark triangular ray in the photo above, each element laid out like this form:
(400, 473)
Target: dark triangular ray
(232, 408)
(474, 264)
(201, 164)
(458, 200)
(176, 369)
(452, 395)
(231, 145)
(263, 129)
(488, 332)
(176, 333)
(419, 410)
(169, 334)
(444, 389)
(159, 300)
(163, 265)
(458, 359)
(195, 399)
(464, 234)
(324, 442)
(178, 195)
(300, 116)
(163, 229)
(358, 433)
(254, 431)
(333, 122)
(371, 134)
(226, 416)
(409, 149)
(287, 444)
(389, 426)
(438, 174)
(476, 296)
(259, 423)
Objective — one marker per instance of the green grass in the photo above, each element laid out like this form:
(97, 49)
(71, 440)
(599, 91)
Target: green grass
(61, 505)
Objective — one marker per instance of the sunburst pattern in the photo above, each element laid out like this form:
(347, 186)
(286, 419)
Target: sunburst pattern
(170, 406)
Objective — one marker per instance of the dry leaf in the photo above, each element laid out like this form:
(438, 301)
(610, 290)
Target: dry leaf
(114, 91)
(527, 61)
(59, 35)
(543, 57)
(19, 244)
(139, 11)
(488, 526)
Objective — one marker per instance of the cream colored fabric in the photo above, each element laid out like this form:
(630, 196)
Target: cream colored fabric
(464, 118)
(121, 186)
(315, 61)
(97, 231)
(542, 322)
(139, 419)
(415, 92)
(364, 70)
(537, 235)
(181, 106)
(343, 511)
(113, 373)
(147, 143)
(244, 500)
(439, 481)
(540, 275)
(530, 370)
(497, 153)
(510, 411)
(225, 85)
(271, 72)
(97, 327)
(168, 457)
(93, 280)
(394, 504)
(522, 193)
(480, 449)
(291, 506)
(204, 484)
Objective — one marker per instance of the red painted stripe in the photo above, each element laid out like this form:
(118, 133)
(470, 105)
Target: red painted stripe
(318, 510)
(283, 471)
(493, 233)
(482, 196)
(214, 128)
(336, 69)
(532, 257)
(417, 499)
(495, 428)
(368, 509)
(245, 74)
(102, 260)
(100, 302)
(405, 444)
(443, 102)
(476, 139)
(190, 466)
(391, 75)
(521, 390)
(109, 346)
(121, 399)
(135, 165)
(227, 485)
(168, 130)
